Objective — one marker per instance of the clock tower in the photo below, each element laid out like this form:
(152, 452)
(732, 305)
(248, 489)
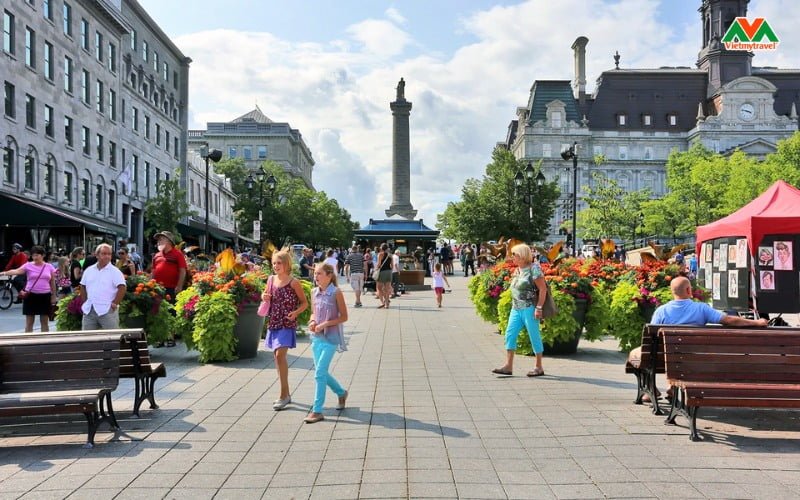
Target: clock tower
(722, 65)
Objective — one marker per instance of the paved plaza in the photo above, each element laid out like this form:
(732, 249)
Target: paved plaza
(425, 418)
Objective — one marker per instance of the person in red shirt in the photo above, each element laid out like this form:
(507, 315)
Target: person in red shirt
(17, 260)
(169, 267)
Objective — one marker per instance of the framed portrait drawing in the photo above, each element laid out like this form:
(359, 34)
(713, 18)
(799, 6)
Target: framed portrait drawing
(765, 256)
(733, 284)
(732, 253)
(715, 261)
(783, 256)
(715, 291)
(709, 253)
(767, 280)
(741, 253)
(723, 257)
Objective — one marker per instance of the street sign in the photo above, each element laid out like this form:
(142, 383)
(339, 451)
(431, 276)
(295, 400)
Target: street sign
(257, 230)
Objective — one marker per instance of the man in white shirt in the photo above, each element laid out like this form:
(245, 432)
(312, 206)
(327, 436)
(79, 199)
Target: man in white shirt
(102, 290)
(395, 273)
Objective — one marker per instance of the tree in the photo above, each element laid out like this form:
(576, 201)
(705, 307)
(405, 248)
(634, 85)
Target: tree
(612, 212)
(492, 207)
(167, 207)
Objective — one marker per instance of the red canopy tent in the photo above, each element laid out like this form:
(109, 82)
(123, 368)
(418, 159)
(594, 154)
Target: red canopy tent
(776, 211)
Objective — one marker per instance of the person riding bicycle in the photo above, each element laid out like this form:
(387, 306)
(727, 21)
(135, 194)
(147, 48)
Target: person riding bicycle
(18, 259)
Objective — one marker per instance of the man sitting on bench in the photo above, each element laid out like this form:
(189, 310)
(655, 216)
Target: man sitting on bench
(682, 310)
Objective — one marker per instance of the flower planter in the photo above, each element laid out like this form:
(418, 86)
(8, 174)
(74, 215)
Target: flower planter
(248, 331)
(570, 346)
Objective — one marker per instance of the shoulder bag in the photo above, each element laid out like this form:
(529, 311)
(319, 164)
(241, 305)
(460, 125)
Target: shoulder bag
(24, 292)
(549, 308)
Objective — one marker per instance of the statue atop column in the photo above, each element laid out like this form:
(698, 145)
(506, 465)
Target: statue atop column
(401, 156)
(401, 90)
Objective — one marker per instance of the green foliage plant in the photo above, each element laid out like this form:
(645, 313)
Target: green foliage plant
(559, 328)
(485, 304)
(214, 322)
(625, 315)
(598, 313)
(69, 316)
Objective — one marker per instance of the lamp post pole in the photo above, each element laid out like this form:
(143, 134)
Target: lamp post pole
(572, 154)
(528, 175)
(271, 183)
(214, 155)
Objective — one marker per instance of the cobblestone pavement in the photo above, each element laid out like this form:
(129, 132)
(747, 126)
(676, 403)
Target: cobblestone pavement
(425, 418)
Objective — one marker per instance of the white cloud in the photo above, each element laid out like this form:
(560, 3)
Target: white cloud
(338, 93)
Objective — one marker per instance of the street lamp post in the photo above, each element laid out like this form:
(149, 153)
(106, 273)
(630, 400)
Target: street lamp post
(214, 155)
(528, 177)
(271, 183)
(572, 154)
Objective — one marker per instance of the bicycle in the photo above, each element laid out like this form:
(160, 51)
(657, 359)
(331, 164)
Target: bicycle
(6, 292)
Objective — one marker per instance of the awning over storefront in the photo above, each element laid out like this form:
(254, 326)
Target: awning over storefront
(19, 212)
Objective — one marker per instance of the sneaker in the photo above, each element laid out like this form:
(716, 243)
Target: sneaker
(280, 404)
(342, 400)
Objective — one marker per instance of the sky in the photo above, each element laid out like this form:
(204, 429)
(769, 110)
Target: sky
(330, 70)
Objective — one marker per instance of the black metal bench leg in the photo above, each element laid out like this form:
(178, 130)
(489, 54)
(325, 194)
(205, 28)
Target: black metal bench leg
(152, 392)
(693, 435)
(92, 421)
(639, 388)
(111, 415)
(138, 396)
(677, 403)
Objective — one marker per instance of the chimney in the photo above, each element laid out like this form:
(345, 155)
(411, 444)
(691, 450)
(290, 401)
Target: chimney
(579, 83)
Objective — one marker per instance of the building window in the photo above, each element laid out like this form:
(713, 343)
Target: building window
(622, 119)
(555, 119)
(30, 47)
(123, 111)
(133, 40)
(68, 139)
(47, 10)
(48, 61)
(112, 57)
(191, 185)
(30, 111)
(85, 138)
(174, 147)
(29, 172)
(175, 79)
(547, 150)
(98, 198)
(158, 134)
(166, 140)
(248, 153)
(112, 104)
(649, 182)
(85, 193)
(9, 108)
(165, 71)
(84, 34)
(648, 152)
(262, 152)
(101, 147)
(100, 93)
(98, 45)
(647, 120)
(8, 165)
(68, 187)
(112, 202)
(85, 96)
(8, 32)
(67, 21)
(232, 152)
(144, 50)
(135, 173)
(112, 154)
(672, 119)
(597, 151)
(49, 179)
(155, 61)
(158, 176)
(67, 74)
(49, 129)
(147, 176)
(623, 152)
(146, 127)
(135, 118)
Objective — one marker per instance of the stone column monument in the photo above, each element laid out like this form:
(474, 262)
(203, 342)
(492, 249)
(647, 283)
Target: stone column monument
(401, 157)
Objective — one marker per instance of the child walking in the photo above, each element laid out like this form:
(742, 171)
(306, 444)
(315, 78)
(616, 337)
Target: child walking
(286, 301)
(439, 279)
(328, 313)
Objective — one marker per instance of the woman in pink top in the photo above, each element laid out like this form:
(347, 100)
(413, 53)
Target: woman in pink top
(40, 287)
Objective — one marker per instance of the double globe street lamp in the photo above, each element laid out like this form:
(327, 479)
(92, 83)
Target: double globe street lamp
(528, 177)
(271, 183)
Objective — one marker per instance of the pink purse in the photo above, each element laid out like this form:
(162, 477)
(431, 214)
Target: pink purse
(263, 307)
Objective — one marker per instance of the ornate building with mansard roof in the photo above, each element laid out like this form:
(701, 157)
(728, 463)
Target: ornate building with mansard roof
(636, 117)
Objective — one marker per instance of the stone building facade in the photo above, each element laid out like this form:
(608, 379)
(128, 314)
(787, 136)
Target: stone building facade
(95, 113)
(255, 138)
(636, 117)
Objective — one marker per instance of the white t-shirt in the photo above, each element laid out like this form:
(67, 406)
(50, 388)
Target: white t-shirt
(101, 287)
(395, 263)
(333, 262)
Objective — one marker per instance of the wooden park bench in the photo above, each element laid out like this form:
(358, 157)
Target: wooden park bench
(63, 374)
(731, 367)
(134, 361)
(649, 363)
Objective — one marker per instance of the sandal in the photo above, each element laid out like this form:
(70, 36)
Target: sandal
(500, 371)
(536, 372)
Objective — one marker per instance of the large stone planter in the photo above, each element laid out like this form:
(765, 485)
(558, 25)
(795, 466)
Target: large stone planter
(248, 331)
(570, 346)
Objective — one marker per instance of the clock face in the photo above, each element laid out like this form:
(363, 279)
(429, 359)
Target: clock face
(747, 112)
